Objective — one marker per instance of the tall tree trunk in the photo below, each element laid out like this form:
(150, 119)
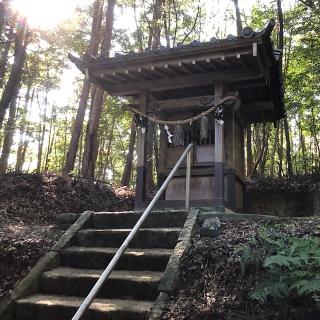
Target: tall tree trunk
(125, 181)
(302, 144)
(21, 42)
(285, 121)
(24, 134)
(3, 13)
(110, 140)
(280, 152)
(41, 135)
(91, 144)
(50, 145)
(5, 52)
(153, 42)
(274, 148)
(261, 145)
(9, 133)
(155, 28)
(288, 147)
(249, 150)
(41, 132)
(92, 50)
(238, 18)
(263, 162)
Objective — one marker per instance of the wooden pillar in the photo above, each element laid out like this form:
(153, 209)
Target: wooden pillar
(218, 197)
(140, 194)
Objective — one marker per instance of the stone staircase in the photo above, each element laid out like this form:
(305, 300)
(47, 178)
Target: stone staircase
(131, 289)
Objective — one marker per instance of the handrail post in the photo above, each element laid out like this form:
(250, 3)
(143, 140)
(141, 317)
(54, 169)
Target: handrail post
(188, 180)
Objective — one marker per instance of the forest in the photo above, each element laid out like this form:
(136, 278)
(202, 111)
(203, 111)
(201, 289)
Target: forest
(53, 120)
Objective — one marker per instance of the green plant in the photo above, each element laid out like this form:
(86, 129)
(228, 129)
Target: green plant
(288, 267)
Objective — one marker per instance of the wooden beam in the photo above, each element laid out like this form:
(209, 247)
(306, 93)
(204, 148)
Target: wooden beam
(212, 64)
(120, 77)
(132, 76)
(184, 103)
(110, 79)
(184, 68)
(248, 84)
(239, 74)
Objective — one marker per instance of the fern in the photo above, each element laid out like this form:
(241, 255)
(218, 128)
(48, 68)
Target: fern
(305, 287)
(290, 265)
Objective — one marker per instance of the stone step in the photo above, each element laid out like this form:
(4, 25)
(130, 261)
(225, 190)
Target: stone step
(145, 238)
(157, 219)
(52, 307)
(141, 285)
(133, 259)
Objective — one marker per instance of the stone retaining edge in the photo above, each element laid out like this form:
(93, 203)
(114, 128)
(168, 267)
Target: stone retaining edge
(170, 279)
(30, 284)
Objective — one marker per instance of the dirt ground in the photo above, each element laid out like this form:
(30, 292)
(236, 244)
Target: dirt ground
(29, 206)
(211, 283)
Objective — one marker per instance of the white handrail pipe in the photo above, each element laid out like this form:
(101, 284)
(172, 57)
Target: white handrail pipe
(104, 276)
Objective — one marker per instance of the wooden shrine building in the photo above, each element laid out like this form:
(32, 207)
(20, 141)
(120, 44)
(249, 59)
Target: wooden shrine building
(182, 82)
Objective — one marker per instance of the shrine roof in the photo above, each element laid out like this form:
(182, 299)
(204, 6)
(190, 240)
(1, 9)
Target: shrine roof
(248, 64)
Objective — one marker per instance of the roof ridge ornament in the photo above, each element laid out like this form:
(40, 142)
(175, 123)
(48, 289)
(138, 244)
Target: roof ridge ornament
(247, 32)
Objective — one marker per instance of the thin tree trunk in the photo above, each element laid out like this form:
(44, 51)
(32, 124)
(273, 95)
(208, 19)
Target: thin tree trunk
(288, 146)
(9, 133)
(304, 150)
(125, 180)
(21, 42)
(285, 121)
(24, 132)
(6, 49)
(92, 50)
(3, 12)
(110, 140)
(274, 148)
(280, 152)
(249, 150)
(41, 134)
(238, 18)
(91, 145)
(155, 28)
(50, 145)
(260, 148)
(262, 165)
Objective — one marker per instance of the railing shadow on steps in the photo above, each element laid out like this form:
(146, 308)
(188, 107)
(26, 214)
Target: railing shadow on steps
(104, 276)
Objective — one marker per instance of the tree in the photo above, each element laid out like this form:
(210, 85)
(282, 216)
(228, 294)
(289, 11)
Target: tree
(93, 47)
(21, 42)
(9, 132)
(125, 180)
(285, 120)
(91, 142)
(238, 17)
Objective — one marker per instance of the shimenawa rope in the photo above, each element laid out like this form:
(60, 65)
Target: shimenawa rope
(190, 120)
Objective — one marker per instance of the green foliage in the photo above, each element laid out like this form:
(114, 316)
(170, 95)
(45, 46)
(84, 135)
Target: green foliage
(288, 266)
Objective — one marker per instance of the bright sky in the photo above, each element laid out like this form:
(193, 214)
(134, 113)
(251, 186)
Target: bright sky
(47, 14)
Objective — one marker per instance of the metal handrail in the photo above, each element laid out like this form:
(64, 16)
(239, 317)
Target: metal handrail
(104, 276)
